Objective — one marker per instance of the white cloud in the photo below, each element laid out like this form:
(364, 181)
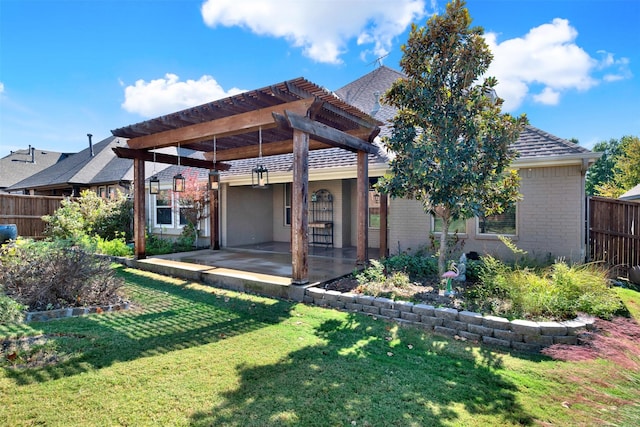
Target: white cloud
(548, 57)
(168, 94)
(1, 88)
(622, 71)
(321, 28)
(548, 96)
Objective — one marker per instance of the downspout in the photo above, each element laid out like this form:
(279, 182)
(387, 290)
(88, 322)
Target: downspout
(584, 216)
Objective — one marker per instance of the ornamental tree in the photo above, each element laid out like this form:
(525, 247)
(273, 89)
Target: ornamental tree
(449, 137)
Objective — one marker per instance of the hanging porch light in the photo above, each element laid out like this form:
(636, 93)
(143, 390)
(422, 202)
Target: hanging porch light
(214, 175)
(154, 181)
(178, 179)
(260, 174)
(154, 185)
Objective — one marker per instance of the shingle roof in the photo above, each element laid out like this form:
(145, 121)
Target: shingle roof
(20, 164)
(632, 194)
(534, 142)
(363, 92)
(83, 169)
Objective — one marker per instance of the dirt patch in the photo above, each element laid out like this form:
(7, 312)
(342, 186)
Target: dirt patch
(30, 352)
(427, 292)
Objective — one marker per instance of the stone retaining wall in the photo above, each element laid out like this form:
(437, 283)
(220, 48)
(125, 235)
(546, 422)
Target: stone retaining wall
(41, 316)
(516, 334)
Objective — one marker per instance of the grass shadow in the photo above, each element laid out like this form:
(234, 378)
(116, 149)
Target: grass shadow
(372, 373)
(168, 315)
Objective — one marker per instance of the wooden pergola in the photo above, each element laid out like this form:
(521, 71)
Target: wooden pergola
(294, 116)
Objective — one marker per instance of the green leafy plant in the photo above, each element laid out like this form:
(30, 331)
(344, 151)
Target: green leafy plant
(11, 311)
(372, 274)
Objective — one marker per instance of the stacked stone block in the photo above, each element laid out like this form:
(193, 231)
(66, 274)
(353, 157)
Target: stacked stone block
(522, 335)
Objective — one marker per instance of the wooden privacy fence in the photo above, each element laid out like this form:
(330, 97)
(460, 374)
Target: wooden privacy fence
(614, 233)
(27, 211)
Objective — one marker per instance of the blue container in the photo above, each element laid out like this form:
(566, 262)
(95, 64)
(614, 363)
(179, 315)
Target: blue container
(8, 232)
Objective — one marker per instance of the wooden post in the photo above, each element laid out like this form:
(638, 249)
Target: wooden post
(139, 209)
(384, 245)
(363, 207)
(214, 219)
(299, 207)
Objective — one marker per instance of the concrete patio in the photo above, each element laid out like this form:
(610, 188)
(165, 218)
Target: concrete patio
(262, 268)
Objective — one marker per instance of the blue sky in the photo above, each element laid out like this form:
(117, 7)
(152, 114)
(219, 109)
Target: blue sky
(72, 67)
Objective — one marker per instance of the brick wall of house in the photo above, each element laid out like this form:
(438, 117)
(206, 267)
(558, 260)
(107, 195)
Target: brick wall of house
(548, 218)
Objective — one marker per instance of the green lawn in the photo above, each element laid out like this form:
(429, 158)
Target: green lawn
(186, 354)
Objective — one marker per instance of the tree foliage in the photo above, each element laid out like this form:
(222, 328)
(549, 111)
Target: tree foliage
(602, 170)
(617, 170)
(450, 140)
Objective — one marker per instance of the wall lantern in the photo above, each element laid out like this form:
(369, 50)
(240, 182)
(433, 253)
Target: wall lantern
(154, 185)
(178, 179)
(260, 174)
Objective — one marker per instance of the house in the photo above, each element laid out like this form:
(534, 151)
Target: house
(95, 168)
(548, 222)
(632, 195)
(21, 164)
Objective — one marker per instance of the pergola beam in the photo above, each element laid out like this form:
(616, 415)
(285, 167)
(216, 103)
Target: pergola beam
(328, 134)
(270, 149)
(237, 124)
(169, 159)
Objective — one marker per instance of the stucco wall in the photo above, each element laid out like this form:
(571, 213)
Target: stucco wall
(249, 215)
(281, 232)
(548, 218)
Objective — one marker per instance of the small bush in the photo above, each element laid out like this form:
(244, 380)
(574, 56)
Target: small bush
(416, 266)
(158, 246)
(46, 275)
(11, 311)
(372, 274)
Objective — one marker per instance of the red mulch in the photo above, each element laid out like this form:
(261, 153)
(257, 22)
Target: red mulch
(617, 340)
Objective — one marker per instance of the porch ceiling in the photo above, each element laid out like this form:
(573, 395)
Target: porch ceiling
(277, 109)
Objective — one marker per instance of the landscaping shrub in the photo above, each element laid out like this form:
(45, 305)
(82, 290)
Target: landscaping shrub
(90, 214)
(49, 275)
(557, 292)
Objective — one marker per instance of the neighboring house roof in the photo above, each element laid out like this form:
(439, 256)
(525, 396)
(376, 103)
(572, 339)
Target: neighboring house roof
(84, 169)
(633, 194)
(21, 164)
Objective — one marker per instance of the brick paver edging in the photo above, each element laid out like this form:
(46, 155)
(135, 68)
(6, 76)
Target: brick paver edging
(517, 334)
(41, 316)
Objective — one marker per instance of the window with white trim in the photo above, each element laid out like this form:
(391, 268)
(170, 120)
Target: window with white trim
(163, 211)
(373, 204)
(287, 204)
(503, 224)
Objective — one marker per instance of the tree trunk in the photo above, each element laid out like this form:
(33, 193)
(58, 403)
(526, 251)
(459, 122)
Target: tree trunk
(442, 256)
